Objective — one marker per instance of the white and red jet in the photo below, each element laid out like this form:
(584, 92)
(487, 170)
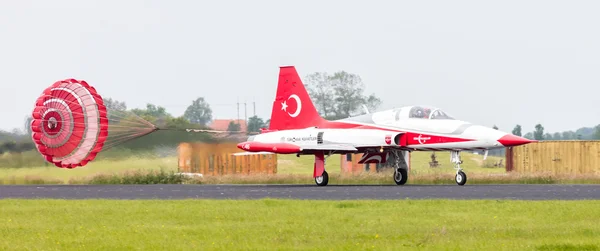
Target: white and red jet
(297, 128)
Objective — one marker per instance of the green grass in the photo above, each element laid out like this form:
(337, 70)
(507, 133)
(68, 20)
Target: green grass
(298, 225)
(54, 175)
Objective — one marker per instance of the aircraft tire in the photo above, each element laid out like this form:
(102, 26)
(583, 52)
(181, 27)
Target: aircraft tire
(400, 176)
(461, 178)
(322, 180)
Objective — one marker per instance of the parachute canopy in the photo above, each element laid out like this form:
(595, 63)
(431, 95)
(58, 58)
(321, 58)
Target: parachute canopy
(70, 124)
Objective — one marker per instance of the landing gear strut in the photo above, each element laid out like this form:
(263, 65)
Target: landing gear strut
(461, 177)
(319, 173)
(400, 172)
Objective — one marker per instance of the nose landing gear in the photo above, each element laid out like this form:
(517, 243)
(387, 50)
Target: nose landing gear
(401, 168)
(461, 177)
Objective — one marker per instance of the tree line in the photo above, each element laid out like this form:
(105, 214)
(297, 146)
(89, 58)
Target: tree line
(538, 133)
(583, 133)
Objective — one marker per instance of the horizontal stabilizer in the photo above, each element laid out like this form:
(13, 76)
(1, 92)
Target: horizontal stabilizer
(251, 153)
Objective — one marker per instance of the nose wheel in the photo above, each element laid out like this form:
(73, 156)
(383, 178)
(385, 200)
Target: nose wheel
(461, 177)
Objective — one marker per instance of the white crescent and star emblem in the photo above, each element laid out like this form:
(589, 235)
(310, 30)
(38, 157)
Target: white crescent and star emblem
(421, 139)
(298, 108)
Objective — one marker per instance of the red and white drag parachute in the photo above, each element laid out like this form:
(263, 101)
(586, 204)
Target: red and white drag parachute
(70, 124)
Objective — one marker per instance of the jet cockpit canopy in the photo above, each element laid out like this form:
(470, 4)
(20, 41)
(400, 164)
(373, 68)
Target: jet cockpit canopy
(420, 112)
(427, 112)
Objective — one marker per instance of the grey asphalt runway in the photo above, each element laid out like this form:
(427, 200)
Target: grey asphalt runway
(332, 192)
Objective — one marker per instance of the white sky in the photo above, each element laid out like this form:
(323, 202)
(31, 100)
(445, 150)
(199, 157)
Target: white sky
(501, 62)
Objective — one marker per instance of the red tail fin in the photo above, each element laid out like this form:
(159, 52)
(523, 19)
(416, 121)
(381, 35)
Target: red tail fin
(293, 108)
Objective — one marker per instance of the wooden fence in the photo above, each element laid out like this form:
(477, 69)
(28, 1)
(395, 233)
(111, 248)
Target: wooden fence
(555, 157)
(223, 159)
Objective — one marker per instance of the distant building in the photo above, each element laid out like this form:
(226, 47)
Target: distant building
(223, 124)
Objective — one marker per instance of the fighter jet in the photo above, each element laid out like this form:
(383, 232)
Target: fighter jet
(384, 136)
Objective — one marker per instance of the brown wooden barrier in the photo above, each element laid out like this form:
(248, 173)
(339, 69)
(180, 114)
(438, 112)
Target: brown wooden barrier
(555, 157)
(223, 159)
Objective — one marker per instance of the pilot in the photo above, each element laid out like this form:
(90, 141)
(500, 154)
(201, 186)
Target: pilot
(426, 114)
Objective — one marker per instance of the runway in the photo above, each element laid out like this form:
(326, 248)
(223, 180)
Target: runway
(331, 192)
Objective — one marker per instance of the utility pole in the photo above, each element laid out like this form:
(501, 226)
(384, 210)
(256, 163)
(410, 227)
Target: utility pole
(254, 107)
(238, 109)
(245, 113)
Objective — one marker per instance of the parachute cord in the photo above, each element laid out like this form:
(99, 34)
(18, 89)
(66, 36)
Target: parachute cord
(126, 139)
(201, 130)
(197, 130)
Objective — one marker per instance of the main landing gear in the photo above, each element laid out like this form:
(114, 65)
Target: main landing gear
(322, 180)
(400, 176)
(319, 173)
(461, 177)
(401, 168)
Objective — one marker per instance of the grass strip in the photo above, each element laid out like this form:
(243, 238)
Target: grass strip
(298, 225)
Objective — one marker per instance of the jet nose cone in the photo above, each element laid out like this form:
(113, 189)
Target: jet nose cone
(512, 140)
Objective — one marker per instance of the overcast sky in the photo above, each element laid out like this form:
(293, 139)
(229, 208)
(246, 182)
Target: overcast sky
(500, 62)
